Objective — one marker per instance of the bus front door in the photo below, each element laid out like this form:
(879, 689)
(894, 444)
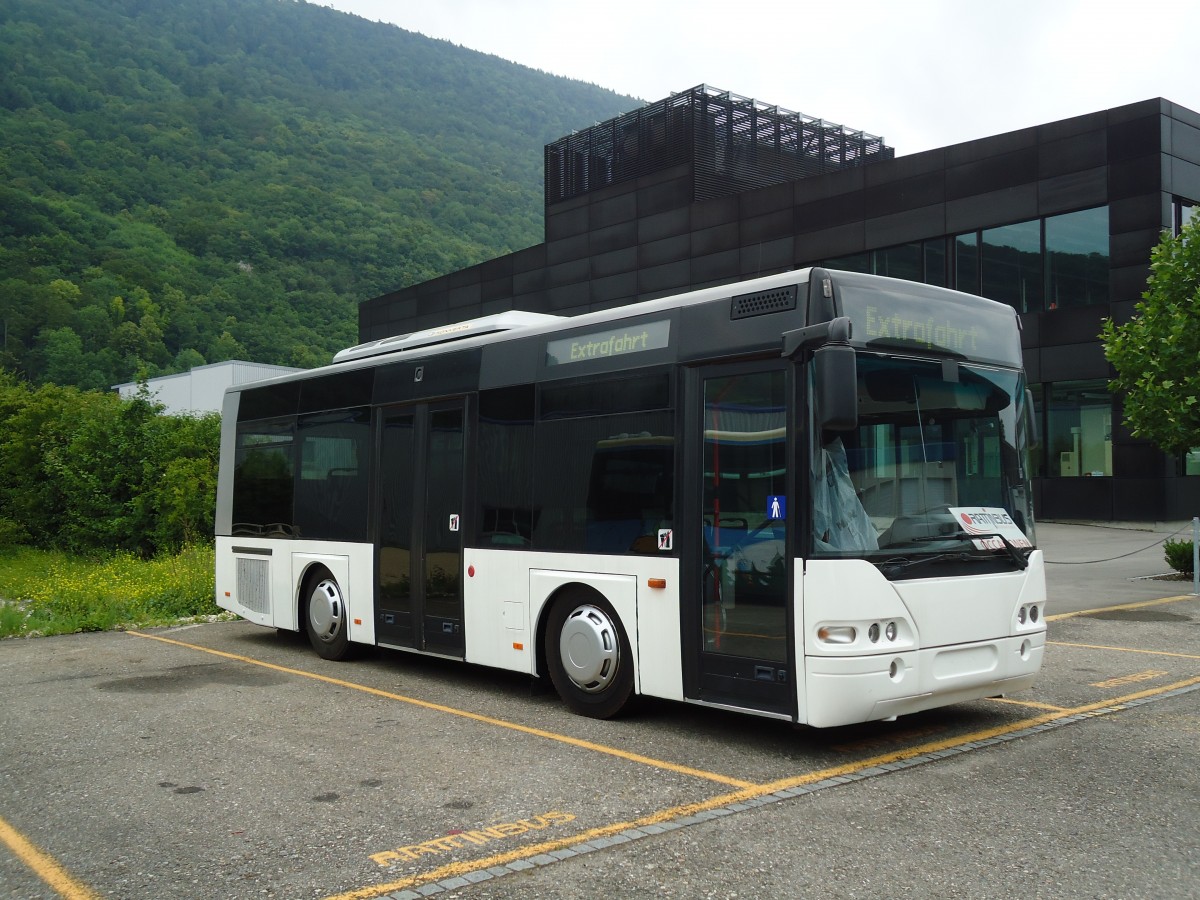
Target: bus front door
(418, 602)
(739, 627)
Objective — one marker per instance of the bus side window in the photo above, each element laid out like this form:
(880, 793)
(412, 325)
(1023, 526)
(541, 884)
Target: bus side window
(505, 465)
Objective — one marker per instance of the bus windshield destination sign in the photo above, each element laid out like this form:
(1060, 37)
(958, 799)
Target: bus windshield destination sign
(931, 320)
(603, 344)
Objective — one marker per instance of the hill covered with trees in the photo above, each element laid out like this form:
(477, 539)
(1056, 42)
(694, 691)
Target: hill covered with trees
(183, 183)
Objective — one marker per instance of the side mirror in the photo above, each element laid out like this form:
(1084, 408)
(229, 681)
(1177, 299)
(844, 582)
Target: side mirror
(1031, 419)
(835, 387)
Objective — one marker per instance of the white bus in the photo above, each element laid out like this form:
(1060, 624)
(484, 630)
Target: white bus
(803, 496)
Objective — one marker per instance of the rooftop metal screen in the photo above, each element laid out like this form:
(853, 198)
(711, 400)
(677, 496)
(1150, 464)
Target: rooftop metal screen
(733, 144)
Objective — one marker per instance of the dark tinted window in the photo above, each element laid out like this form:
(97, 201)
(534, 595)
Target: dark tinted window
(505, 463)
(263, 469)
(855, 262)
(331, 490)
(269, 402)
(605, 483)
(966, 263)
(1012, 265)
(935, 261)
(337, 391)
(1077, 258)
(597, 398)
(903, 261)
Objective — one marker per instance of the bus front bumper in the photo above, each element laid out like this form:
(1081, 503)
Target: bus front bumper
(849, 689)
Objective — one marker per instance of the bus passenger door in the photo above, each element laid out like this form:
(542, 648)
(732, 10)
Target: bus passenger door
(418, 602)
(736, 623)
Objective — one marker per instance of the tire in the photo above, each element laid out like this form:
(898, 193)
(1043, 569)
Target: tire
(588, 656)
(325, 618)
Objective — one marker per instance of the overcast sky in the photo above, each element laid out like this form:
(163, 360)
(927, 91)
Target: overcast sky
(920, 74)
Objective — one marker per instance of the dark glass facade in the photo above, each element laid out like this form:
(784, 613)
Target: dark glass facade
(1057, 220)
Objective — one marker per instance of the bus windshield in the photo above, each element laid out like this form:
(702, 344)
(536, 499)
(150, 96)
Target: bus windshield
(933, 436)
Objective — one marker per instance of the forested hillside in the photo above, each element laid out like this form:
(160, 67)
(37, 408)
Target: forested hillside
(188, 182)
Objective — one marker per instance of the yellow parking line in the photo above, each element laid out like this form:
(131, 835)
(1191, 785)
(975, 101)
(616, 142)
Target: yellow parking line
(1142, 605)
(1125, 650)
(453, 870)
(1030, 703)
(44, 866)
(462, 713)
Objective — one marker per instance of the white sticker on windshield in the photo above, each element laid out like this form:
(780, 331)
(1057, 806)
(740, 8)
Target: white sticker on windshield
(987, 522)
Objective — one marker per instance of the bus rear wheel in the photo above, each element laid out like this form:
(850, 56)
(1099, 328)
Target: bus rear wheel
(325, 617)
(588, 656)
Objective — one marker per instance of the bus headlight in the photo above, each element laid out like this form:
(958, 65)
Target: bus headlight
(873, 633)
(890, 631)
(837, 634)
(1029, 614)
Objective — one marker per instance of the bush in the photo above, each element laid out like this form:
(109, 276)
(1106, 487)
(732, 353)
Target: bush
(1179, 556)
(93, 473)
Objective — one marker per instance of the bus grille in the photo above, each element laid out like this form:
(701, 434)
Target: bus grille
(252, 584)
(760, 304)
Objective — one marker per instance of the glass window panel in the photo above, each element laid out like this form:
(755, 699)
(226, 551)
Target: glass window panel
(923, 445)
(263, 478)
(331, 492)
(595, 398)
(505, 464)
(1037, 452)
(1185, 211)
(397, 457)
(1078, 429)
(606, 483)
(1191, 462)
(900, 262)
(855, 262)
(745, 480)
(935, 261)
(1011, 265)
(1077, 258)
(966, 263)
(443, 543)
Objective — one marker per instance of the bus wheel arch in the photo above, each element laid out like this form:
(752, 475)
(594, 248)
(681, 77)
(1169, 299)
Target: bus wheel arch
(322, 610)
(584, 648)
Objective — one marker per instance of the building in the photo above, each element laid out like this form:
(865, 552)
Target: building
(202, 389)
(707, 188)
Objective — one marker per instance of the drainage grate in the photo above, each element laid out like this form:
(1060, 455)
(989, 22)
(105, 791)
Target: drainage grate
(762, 303)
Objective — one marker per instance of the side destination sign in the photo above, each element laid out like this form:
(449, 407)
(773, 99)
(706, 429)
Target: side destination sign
(605, 344)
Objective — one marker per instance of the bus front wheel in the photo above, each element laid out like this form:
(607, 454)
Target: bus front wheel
(324, 610)
(588, 656)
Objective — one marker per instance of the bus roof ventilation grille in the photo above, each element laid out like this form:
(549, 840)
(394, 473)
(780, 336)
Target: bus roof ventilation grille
(762, 303)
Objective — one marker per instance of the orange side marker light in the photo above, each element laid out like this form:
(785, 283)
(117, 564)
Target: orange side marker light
(657, 583)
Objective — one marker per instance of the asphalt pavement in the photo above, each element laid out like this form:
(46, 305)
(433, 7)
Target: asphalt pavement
(227, 760)
(1094, 565)
(1102, 807)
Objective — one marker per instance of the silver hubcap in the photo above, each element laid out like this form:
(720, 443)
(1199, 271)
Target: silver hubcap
(589, 649)
(326, 612)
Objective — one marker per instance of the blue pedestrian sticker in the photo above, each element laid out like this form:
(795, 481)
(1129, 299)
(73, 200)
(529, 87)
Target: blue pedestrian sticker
(776, 507)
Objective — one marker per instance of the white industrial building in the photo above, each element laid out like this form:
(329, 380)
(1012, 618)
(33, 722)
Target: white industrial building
(201, 389)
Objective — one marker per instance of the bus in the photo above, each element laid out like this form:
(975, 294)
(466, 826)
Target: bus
(803, 496)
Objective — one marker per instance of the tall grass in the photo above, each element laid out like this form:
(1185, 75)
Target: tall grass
(43, 593)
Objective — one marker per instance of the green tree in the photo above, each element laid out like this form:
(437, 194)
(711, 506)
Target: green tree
(1155, 353)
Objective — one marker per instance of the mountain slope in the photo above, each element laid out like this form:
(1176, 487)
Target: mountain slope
(190, 182)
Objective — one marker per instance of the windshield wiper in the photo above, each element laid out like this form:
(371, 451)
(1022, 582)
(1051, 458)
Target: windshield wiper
(1020, 559)
(894, 565)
